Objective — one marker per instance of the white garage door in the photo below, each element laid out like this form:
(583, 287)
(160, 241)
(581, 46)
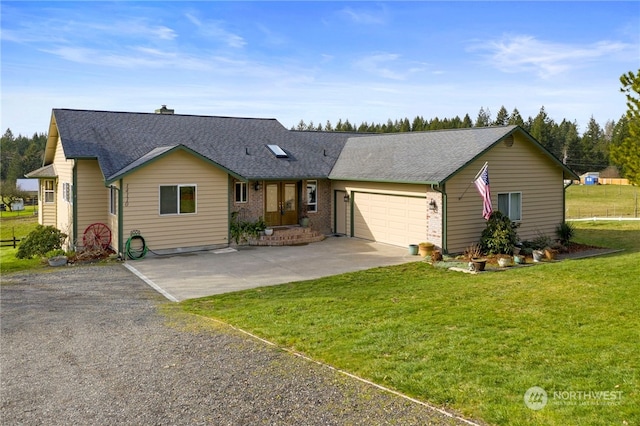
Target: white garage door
(391, 219)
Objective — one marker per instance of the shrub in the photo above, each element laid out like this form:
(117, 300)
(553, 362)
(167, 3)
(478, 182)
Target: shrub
(500, 235)
(41, 240)
(565, 232)
(241, 230)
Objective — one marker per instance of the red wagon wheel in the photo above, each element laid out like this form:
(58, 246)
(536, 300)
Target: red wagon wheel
(97, 235)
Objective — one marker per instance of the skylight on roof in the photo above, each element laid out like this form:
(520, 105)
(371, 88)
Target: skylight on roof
(277, 151)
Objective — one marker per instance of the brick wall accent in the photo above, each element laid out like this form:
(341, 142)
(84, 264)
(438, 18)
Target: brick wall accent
(321, 220)
(434, 218)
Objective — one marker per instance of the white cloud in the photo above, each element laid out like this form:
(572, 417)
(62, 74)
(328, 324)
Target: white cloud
(524, 53)
(389, 66)
(215, 30)
(364, 16)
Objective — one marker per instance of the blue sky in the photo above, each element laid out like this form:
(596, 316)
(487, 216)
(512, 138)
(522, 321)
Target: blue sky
(317, 61)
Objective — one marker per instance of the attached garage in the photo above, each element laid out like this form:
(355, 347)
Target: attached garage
(392, 219)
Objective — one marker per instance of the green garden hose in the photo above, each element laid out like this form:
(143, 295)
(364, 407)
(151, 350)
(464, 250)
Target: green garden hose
(136, 253)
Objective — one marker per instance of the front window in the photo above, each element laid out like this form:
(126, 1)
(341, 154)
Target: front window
(241, 192)
(49, 194)
(177, 199)
(510, 204)
(312, 196)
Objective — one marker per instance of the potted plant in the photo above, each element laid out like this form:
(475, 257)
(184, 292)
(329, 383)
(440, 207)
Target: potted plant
(57, 258)
(537, 255)
(304, 218)
(477, 264)
(504, 260)
(436, 256)
(268, 231)
(550, 253)
(425, 248)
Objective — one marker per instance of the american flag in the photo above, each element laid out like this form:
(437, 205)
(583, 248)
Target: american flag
(482, 183)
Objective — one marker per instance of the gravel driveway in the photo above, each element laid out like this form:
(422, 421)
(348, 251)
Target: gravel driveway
(94, 345)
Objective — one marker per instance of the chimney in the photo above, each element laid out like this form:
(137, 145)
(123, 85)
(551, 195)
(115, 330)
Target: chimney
(164, 110)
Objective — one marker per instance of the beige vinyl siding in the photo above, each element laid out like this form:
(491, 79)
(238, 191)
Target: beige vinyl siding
(92, 197)
(64, 210)
(207, 227)
(519, 168)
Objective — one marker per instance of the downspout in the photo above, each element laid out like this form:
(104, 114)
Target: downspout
(444, 215)
(120, 219)
(74, 207)
(564, 201)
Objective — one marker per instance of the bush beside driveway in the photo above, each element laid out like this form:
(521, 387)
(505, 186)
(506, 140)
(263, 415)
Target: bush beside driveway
(95, 345)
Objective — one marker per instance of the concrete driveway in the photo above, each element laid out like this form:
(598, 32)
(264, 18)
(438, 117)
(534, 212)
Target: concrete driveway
(199, 274)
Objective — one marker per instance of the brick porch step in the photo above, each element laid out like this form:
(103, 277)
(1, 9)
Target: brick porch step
(288, 236)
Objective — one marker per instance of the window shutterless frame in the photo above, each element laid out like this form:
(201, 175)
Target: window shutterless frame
(49, 191)
(312, 196)
(241, 192)
(510, 204)
(177, 199)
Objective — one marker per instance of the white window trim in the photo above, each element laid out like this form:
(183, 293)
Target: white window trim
(178, 186)
(243, 192)
(46, 191)
(67, 192)
(113, 200)
(315, 205)
(509, 199)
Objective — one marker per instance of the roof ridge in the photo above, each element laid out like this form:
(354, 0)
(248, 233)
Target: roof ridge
(164, 115)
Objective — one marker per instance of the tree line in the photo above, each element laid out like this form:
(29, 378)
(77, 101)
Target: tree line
(20, 154)
(586, 152)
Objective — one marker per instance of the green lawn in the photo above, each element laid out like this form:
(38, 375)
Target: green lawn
(18, 224)
(602, 201)
(473, 344)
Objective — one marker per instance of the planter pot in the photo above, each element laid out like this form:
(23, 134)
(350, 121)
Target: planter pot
(436, 256)
(550, 254)
(538, 255)
(304, 222)
(477, 264)
(518, 259)
(58, 260)
(425, 249)
(268, 232)
(503, 262)
(413, 249)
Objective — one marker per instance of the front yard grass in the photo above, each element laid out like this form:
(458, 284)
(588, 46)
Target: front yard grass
(472, 343)
(18, 224)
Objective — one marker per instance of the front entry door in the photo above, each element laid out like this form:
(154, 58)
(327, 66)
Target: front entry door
(281, 203)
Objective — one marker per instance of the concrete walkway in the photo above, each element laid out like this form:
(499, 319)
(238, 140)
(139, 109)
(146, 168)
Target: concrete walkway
(199, 274)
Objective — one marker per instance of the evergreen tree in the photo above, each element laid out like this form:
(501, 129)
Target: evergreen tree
(542, 129)
(515, 118)
(466, 122)
(502, 119)
(593, 147)
(484, 118)
(627, 154)
(418, 124)
(567, 132)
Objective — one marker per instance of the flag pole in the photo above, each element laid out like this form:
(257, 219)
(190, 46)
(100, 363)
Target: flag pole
(486, 163)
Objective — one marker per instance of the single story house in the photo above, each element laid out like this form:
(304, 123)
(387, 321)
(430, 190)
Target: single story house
(177, 180)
